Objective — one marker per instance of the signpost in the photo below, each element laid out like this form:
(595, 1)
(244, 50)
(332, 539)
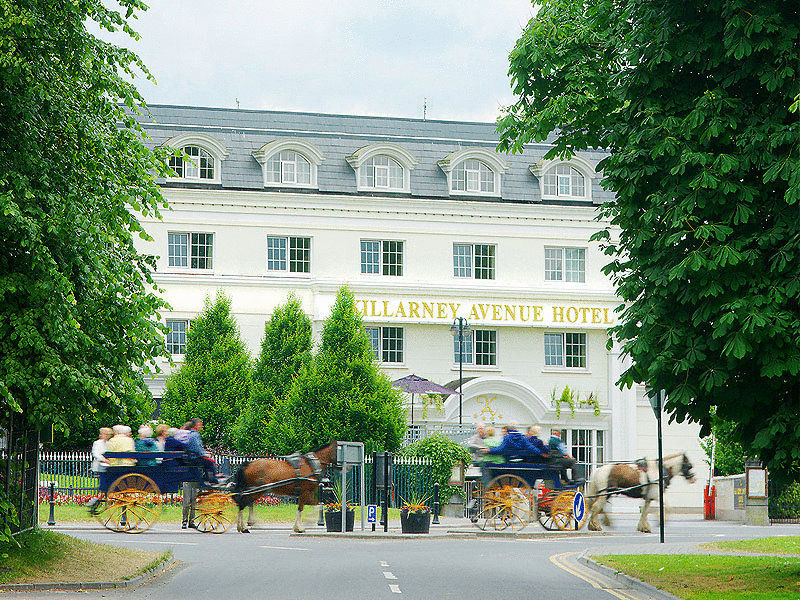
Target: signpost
(349, 454)
(657, 402)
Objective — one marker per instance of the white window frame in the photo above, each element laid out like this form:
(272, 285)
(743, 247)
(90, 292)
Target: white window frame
(286, 159)
(206, 143)
(491, 160)
(382, 351)
(562, 274)
(172, 332)
(304, 149)
(470, 271)
(382, 264)
(190, 246)
(563, 357)
(471, 348)
(593, 452)
(287, 258)
(545, 169)
(362, 158)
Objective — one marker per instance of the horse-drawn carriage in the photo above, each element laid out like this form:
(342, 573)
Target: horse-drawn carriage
(133, 495)
(521, 492)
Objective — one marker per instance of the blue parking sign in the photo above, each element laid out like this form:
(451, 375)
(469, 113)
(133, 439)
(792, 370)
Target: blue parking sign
(372, 513)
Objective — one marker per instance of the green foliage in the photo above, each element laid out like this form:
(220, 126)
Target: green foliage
(78, 310)
(573, 399)
(215, 380)
(729, 456)
(692, 100)
(787, 504)
(342, 395)
(445, 454)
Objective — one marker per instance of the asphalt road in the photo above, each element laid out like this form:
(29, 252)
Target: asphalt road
(270, 563)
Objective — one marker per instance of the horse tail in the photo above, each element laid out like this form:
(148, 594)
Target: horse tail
(239, 482)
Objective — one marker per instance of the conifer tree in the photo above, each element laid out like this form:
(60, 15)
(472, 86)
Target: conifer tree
(285, 352)
(216, 379)
(343, 395)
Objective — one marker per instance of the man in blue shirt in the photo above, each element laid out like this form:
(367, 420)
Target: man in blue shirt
(514, 445)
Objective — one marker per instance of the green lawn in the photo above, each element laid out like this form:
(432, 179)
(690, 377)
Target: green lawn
(281, 513)
(770, 545)
(46, 557)
(704, 577)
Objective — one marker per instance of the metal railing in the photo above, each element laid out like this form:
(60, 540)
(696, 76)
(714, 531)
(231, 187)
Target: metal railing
(455, 432)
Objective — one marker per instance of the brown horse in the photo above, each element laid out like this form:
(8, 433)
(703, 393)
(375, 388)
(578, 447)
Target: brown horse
(265, 471)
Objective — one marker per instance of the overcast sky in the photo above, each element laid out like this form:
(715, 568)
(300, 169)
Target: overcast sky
(370, 57)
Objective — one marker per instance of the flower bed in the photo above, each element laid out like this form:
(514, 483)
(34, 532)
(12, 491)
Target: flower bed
(80, 499)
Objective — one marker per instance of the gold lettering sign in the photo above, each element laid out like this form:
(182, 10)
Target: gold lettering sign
(544, 315)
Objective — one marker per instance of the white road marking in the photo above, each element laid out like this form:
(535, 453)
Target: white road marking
(284, 548)
(395, 588)
(384, 563)
(389, 575)
(167, 543)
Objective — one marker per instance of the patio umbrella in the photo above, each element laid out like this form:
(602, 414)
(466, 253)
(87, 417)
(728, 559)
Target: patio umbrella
(414, 384)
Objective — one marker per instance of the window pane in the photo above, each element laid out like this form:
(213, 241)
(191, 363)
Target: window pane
(552, 264)
(276, 254)
(462, 260)
(472, 181)
(395, 175)
(459, 178)
(287, 169)
(206, 165)
(575, 264)
(381, 176)
(550, 184)
(191, 167)
(273, 171)
(202, 246)
(392, 258)
(300, 254)
(553, 349)
(392, 340)
(176, 338)
(575, 350)
(487, 178)
(577, 184)
(178, 249)
(176, 163)
(303, 169)
(467, 344)
(485, 347)
(370, 256)
(374, 335)
(484, 261)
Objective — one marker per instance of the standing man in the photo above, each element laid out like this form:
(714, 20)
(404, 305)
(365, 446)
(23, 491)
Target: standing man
(195, 453)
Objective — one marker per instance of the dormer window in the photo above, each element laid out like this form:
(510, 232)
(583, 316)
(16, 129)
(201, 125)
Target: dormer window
(564, 181)
(384, 167)
(288, 167)
(198, 165)
(473, 176)
(198, 157)
(382, 172)
(289, 162)
(474, 172)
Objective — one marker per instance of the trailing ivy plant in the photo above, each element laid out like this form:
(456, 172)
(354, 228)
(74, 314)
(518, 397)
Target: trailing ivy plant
(445, 454)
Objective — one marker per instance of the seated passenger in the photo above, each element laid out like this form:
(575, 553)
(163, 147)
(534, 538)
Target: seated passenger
(121, 442)
(559, 454)
(514, 445)
(537, 443)
(173, 444)
(146, 443)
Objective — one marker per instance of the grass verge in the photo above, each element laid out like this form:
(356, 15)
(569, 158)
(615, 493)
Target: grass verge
(49, 557)
(770, 545)
(708, 577)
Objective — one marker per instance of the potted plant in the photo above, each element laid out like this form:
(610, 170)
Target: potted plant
(415, 515)
(333, 512)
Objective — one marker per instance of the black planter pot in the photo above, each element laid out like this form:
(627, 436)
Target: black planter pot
(415, 522)
(333, 520)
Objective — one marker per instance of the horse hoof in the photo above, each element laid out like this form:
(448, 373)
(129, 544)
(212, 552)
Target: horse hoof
(245, 531)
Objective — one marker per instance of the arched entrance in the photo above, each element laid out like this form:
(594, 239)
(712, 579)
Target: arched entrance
(496, 400)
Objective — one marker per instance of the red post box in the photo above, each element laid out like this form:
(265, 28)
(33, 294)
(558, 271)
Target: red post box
(709, 501)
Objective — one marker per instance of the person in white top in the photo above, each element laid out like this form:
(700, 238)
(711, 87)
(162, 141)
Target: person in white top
(99, 462)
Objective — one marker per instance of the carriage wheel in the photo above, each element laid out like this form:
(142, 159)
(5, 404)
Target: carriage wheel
(132, 504)
(563, 514)
(507, 503)
(215, 512)
(545, 511)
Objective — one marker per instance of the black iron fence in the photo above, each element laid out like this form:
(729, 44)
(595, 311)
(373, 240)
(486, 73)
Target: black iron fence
(19, 468)
(784, 502)
(412, 478)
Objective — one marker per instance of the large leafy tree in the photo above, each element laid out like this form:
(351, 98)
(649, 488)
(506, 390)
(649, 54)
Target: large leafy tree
(78, 309)
(215, 380)
(696, 103)
(285, 352)
(343, 395)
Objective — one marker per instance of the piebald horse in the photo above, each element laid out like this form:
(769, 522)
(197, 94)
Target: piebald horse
(635, 481)
(255, 474)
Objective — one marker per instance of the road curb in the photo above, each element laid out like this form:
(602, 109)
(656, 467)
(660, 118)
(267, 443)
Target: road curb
(613, 574)
(94, 585)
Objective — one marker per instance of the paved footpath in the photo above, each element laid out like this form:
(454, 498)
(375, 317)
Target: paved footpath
(455, 560)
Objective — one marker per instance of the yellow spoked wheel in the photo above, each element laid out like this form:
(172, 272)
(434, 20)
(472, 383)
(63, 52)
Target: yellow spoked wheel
(507, 502)
(133, 503)
(558, 512)
(215, 512)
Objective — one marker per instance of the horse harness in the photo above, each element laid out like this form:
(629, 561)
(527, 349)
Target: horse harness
(296, 462)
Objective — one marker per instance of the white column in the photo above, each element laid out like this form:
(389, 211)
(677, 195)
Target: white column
(622, 402)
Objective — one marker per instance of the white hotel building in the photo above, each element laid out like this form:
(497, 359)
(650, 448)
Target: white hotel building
(426, 222)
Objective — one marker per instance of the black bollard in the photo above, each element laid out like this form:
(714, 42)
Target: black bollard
(436, 503)
(51, 520)
(321, 519)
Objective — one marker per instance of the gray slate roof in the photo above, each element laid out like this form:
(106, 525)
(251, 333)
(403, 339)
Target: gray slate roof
(337, 136)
